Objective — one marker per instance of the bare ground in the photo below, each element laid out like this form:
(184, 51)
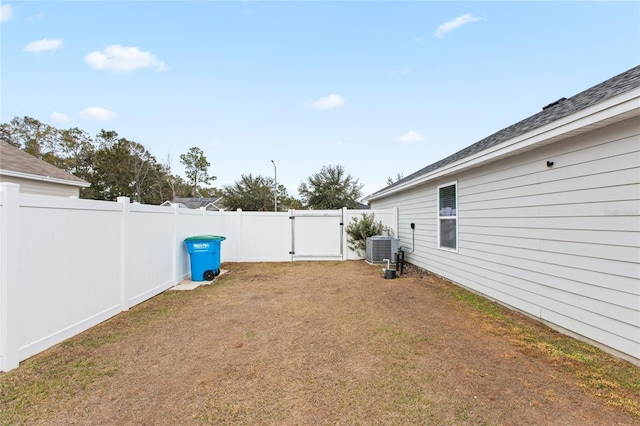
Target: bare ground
(307, 343)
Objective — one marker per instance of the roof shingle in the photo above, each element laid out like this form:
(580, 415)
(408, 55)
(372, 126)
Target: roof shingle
(16, 160)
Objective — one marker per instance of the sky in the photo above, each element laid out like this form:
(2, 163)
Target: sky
(382, 88)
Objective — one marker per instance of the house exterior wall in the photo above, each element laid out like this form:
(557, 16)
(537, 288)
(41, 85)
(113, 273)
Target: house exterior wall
(560, 243)
(30, 186)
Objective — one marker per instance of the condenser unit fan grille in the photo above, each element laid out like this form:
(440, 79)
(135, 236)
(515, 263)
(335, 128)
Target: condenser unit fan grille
(380, 248)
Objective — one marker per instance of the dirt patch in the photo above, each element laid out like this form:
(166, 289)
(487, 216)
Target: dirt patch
(307, 343)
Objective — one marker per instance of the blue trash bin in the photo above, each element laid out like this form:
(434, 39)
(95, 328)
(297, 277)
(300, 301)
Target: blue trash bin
(204, 251)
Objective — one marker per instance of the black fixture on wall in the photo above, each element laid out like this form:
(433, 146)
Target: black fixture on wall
(549, 163)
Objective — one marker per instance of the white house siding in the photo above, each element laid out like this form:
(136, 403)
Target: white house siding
(31, 186)
(559, 243)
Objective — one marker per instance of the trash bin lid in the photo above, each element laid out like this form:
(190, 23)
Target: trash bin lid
(206, 238)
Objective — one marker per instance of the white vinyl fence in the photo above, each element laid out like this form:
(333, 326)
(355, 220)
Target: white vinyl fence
(69, 264)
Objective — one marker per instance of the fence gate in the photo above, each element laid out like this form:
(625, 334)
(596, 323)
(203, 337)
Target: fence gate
(316, 235)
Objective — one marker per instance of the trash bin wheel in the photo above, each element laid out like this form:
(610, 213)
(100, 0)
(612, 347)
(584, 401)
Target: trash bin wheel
(217, 272)
(209, 275)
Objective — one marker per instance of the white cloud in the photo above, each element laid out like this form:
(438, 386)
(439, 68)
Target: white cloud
(42, 45)
(97, 113)
(6, 12)
(328, 102)
(59, 117)
(449, 26)
(410, 137)
(119, 58)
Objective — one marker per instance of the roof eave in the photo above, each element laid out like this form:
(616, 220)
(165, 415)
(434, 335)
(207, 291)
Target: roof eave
(610, 111)
(12, 173)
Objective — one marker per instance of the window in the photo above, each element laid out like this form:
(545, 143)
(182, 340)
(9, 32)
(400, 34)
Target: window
(448, 216)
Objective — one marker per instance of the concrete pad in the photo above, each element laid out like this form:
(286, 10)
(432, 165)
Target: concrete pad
(190, 285)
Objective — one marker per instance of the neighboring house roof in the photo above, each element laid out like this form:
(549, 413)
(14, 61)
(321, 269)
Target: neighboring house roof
(361, 206)
(17, 163)
(171, 204)
(554, 112)
(196, 202)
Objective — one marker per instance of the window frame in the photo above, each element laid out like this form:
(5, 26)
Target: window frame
(440, 218)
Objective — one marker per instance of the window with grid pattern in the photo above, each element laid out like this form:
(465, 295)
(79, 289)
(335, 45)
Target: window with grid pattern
(448, 216)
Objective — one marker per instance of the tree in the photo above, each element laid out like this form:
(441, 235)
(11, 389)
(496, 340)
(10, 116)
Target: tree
(176, 184)
(142, 165)
(211, 191)
(391, 181)
(31, 135)
(287, 202)
(254, 193)
(6, 135)
(111, 178)
(76, 152)
(106, 138)
(331, 188)
(158, 189)
(196, 168)
(71, 150)
(127, 169)
(113, 165)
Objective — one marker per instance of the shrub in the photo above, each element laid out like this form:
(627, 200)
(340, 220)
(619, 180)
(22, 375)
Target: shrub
(359, 229)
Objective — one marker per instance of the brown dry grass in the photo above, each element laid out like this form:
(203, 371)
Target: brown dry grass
(320, 343)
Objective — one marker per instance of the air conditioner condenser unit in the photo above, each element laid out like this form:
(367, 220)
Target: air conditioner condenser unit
(381, 247)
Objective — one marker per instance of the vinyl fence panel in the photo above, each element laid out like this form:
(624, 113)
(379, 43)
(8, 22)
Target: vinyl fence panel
(69, 264)
(263, 237)
(69, 274)
(149, 252)
(317, 234)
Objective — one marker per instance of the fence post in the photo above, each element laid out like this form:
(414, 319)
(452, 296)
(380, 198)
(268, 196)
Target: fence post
(174, 255)
(123, 252)
(345, 245)
(239, 251)
(9, 277)
(292, 233)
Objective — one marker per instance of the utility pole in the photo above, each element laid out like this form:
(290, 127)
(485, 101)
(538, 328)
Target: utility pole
(275, 187)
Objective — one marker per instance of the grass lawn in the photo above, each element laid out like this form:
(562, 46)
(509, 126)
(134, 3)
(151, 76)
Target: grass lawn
(320, 343)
